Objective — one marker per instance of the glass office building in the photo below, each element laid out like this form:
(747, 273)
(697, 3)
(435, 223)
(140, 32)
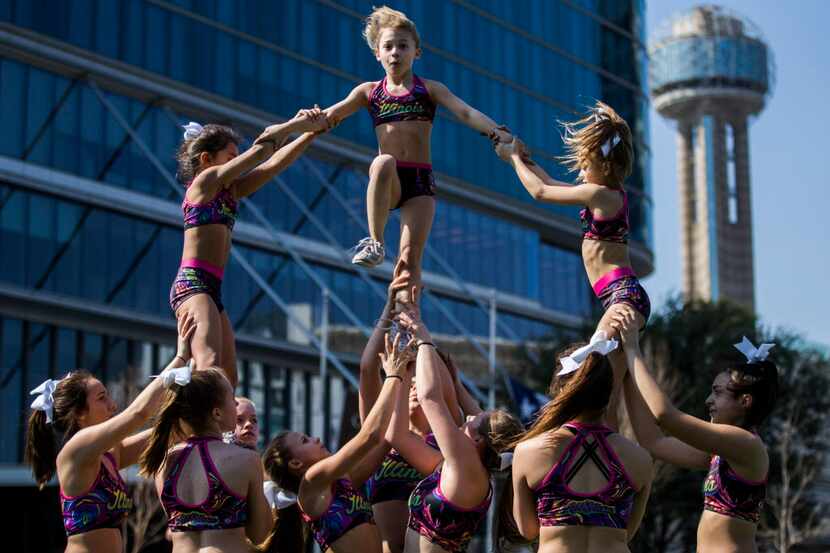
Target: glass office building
(93, 96)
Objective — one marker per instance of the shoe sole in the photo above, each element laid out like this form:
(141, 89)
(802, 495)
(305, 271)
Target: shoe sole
(366, 263)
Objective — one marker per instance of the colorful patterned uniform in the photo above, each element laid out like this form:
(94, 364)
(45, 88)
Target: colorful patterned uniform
(395, 479)
(433, 516)
(728, 494)
(222, 508)
(558, 505)
(416, 105)
(196, 276)
(105, 505)
(621, 284)
(348, 509)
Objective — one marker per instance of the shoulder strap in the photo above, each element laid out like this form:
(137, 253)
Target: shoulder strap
(589, 451)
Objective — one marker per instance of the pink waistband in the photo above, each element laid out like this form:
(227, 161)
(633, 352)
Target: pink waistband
(218, 272)
(413, 164)
(611, 276)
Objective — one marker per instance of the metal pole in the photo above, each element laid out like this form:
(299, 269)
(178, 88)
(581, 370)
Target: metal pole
(491, 400)
(491, 404)
(324, 376)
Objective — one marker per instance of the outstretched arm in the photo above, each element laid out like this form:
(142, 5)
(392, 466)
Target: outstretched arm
(670, 450)
(413, 448)
(276, 164)
(541, 186)
(463, 476)
(320, 476)
(468, 115)
(740, 446)
(87, 446)
(469, 405)
(370, 380)
(357, 98)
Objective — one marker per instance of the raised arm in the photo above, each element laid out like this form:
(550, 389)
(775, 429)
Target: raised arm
(466, 114)
(649, 435)
(463, 474)
(740, 446)
(357, 98)
(321, 475)
(370, 379)
(276, 164)
(223, 176)
(469, 405)
(89, 444)
(412, 447)
(541, 186)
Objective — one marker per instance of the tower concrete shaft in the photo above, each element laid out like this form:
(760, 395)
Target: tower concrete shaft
(715, 208)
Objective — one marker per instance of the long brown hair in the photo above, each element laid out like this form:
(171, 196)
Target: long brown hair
(212, 139)
(500, 430)
(584, 139)
(191, 404)
(587, 390)
(45, 440)
(290, 532)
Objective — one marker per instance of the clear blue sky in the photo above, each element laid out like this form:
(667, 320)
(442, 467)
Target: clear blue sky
(790, 146)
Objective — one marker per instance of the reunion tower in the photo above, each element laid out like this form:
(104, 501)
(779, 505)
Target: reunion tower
(710, 70)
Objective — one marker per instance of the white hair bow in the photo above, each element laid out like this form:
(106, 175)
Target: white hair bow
(277, 497)
(44, 401)
(192, 130)
(599, 344)
(609, 145)
(506, 460)
(753, 354)
(179, 375)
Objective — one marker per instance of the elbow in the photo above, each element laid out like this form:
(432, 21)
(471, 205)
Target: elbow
(665, 415)
(538, 194)
(529, 532)
(430, 393)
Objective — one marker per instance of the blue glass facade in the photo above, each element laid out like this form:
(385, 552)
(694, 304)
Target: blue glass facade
(276, 57)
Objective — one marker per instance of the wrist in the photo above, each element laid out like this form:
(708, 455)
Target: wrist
(420, 343)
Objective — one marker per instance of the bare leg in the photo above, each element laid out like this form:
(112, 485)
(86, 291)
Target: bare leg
(416, 222)
(206, 344)
(383, 194)
(617, 360)
(228, 363)
(391, 518)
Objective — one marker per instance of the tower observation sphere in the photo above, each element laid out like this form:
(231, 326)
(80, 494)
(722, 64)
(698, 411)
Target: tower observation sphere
(710, 70)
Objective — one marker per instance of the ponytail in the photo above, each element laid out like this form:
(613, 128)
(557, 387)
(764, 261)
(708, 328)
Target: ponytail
(290, 532)
(44, 440)
(586, 390)
(168, 422)
(191, 404)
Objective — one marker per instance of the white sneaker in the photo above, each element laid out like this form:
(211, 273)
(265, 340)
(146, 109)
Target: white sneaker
(370, 253)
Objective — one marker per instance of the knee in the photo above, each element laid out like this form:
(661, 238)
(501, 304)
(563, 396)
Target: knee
(383, 166)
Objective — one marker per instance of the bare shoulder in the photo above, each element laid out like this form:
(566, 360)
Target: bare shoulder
(435, 87)
(635, 458)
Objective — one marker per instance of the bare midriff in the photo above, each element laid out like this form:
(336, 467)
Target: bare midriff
(601, 257)
(231, 540)
(405, 140)
(723, 534)
(211, 243)
(102, 539)
(587, 539)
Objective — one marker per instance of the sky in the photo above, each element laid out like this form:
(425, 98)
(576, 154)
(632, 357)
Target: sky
(789, 145)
